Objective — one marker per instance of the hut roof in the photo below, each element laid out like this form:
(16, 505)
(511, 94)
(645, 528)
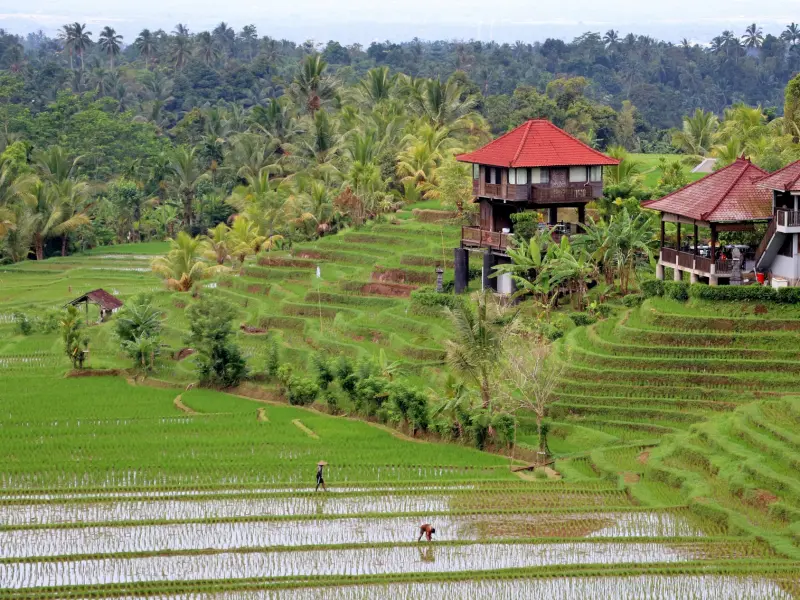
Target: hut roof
(537, 143)
(785, 180)
(729, 195)
(100, 297)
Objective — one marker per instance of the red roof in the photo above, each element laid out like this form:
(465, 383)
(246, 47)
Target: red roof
(785, 180)
(537, 143)
(730, 194)
(100, 297)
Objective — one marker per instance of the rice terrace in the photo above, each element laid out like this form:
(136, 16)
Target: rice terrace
(280, 321)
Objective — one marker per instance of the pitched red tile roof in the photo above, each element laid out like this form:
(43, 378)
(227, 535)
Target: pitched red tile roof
(537, 143)
(785, 180)
(730, 194)
(101, 298)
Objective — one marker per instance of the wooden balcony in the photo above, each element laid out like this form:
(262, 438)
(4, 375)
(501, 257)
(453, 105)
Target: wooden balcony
(687, 261)
(787, 221)
(481, 238)
(538, 193)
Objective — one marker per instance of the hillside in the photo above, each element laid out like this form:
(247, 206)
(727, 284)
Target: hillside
(673, 433)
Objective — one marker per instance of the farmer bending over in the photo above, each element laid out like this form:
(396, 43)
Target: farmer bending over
(427, 531)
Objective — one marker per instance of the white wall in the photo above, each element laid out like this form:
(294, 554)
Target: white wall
(788, 268)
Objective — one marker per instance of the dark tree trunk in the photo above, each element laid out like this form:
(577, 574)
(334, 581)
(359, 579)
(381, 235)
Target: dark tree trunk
(64, 245)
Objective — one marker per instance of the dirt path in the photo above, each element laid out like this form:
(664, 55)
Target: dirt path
(299, 424)
(182, 407)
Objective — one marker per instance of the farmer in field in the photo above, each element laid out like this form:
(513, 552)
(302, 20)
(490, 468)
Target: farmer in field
(320, 480)
(427, 531)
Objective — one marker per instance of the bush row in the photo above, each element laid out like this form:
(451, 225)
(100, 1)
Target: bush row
(679, 290)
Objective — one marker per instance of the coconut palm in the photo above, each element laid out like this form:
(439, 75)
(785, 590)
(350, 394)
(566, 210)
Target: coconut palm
(183, 266)
(74, 199)
(698, 134)
(249, 37)
(791, 34)
(181, 30)
(474, 349)
(15, 193)
(244, 239)
(217, 243)
(49, 216)
(611, 38)
(444, 104)
(225, 35)
(80, 40)
(753, 37)
(111, 43)
(67, 37)
(312, 87)
(377, 85)
(146, 45)
(207, 49)
(180, 51)
(185, 174)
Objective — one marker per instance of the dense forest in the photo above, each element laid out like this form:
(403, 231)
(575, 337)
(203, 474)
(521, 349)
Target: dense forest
(104, 139)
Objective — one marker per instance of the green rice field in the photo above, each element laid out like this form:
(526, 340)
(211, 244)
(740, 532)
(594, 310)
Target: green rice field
(676, 433)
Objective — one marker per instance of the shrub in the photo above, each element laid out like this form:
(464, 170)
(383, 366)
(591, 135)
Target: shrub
(301, 391)
(503, 424)
(343, 367)
(331, 401)
(273, 357)
(324, 371)
(652, 288)
(732, 292)
(788, 295)
(370, 394)
(602, 311)
(427, 298)
(408, 404)
(22, 324)
(582, 318)
(633, 300)
(677, 290)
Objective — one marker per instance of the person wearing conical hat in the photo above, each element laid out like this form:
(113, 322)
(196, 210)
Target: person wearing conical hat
(320, 480)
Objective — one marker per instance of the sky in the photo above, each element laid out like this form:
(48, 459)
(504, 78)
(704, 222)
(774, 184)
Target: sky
(364, 21)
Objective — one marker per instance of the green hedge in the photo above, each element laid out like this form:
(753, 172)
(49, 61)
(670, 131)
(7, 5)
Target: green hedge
(652, 287)
(677, 290)
(431, 299)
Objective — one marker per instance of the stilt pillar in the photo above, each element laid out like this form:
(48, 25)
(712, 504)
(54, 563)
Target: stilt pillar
(461, 271)
(489, 283)
(660, 272)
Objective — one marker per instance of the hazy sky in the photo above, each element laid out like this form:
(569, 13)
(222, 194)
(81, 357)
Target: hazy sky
(363, 21)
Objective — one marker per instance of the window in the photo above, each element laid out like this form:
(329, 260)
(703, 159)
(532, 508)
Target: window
(487, 174)
(596, 173)
(494, 175)
(544, 176)
(512, 176)
(522, 176)
(476, 171)
(577, 174)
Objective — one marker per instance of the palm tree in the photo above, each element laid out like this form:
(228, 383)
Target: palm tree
(80, 40)
(249, 38)
(753, 37)
(181, 30)
(791, 34)
(181, 48)
(377, 85)
(474, 350)
(49, 219)
(15, 193)
(185, 174)
(217, 243)
(67, 37)
(207, 48)
(444, 104)
(73, 197)
(698, 134)
(146, 45)
(611, 38)
(244, 239)
(110, 41)
(311, 87)
(226, 36)
(164, 217)
(183, 266)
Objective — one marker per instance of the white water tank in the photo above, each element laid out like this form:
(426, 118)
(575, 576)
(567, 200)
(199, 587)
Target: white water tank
(505, 284)
(779, 282)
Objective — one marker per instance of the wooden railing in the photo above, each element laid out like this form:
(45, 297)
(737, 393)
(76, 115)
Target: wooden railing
(762, 246)
(686, 260)
(788, 218)
(701, 263)
(474, 236)
(541, 193)
(668, 255)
